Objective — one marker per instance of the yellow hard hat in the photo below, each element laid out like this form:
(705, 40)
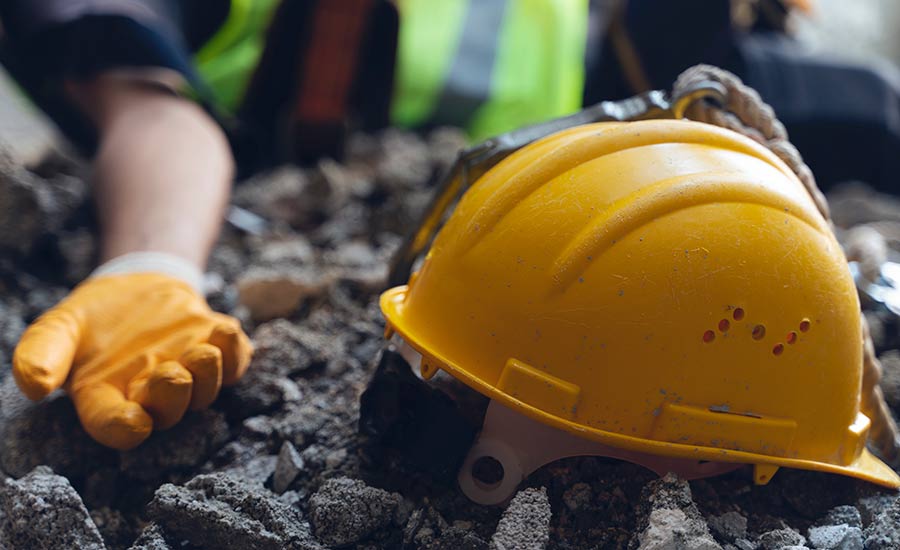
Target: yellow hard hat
(663, 287)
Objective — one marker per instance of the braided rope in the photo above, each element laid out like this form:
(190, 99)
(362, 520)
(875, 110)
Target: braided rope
(745, 112)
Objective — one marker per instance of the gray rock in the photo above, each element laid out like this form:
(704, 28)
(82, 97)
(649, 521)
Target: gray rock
(44, 433)
(836, 537)
(884, 531)
(842, 514)
(294, 251)
(272, 293)
(288, 467)
(729, 526)
(41, 511)
(218, 511)
(669, 519)
(258, 392)
(285, 349)
(779, 538)
(345, 511)
(256, 470)
(283, 196)
(871, 506)
(152, 538)
(890, 379)
(189, 443)
(31, 205)
(525, 524)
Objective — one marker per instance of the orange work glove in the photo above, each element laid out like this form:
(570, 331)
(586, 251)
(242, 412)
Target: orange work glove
(133, 351)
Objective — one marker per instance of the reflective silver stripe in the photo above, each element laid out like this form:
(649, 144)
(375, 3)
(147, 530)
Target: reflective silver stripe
(468, 82)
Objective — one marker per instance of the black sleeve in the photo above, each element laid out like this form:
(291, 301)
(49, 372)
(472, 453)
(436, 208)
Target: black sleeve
(46, 42)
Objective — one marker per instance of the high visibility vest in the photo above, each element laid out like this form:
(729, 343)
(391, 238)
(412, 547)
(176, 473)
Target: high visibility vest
(227, 60)
(487, 65)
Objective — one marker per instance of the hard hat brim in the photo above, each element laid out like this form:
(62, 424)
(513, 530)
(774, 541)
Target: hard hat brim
(866, 467)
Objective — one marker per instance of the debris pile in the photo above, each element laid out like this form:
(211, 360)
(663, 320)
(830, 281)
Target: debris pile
(281, 461)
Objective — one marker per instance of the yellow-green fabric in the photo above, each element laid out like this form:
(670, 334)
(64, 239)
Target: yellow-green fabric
(429, 37)
(228, 59)
(538, 70)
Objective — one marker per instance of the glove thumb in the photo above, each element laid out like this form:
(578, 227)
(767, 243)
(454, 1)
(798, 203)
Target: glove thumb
(44, 355)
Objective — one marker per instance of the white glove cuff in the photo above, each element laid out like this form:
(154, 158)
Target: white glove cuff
(153, 262)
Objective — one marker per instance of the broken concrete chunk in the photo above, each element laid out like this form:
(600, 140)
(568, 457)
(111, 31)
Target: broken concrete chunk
(284, 348)
(218, 511)
(525, 523)
(288, 467)
(884, 531)
(256, 393)
(668, 518)
(842, 514)
(729, 526)
(779, 538)
(186, 445)
(345, 511)
(836, 537)
(41, 511)
(152, 538)
(270, 293)
(44, 433)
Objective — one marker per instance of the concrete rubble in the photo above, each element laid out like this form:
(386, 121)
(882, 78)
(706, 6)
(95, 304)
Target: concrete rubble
(344, 511)
(218, 511)
(669, 518)
(282, 460)
(525, 523)
(42, 511)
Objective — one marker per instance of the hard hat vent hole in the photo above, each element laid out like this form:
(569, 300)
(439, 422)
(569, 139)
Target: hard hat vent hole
(778, 349)
(709, 336)
(724, 325)
(487, 472)
(804, 325)
(738, 314)
(791, 337)
(759, 332)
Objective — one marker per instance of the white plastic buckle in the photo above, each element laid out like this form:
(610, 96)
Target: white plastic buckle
(522, 445)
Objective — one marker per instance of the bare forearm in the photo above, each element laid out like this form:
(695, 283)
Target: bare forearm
(162, 173)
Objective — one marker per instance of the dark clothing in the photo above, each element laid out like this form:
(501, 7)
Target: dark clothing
(844, 118)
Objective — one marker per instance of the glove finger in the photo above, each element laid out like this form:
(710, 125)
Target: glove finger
(235, 347)
(205, 364)
(43, 357)
(164, 390)
(111, 419)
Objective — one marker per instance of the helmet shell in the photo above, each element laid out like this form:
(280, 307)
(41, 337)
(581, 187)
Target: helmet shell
(667, 287)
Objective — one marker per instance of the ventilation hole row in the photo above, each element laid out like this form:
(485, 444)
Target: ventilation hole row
(758, 332)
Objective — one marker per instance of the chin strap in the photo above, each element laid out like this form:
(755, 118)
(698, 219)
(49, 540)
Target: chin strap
(153, 262)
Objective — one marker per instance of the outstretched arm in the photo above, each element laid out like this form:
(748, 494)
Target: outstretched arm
(162, 173)
(136, 345)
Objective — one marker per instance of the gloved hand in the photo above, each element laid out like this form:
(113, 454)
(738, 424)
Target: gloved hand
(133, 351)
